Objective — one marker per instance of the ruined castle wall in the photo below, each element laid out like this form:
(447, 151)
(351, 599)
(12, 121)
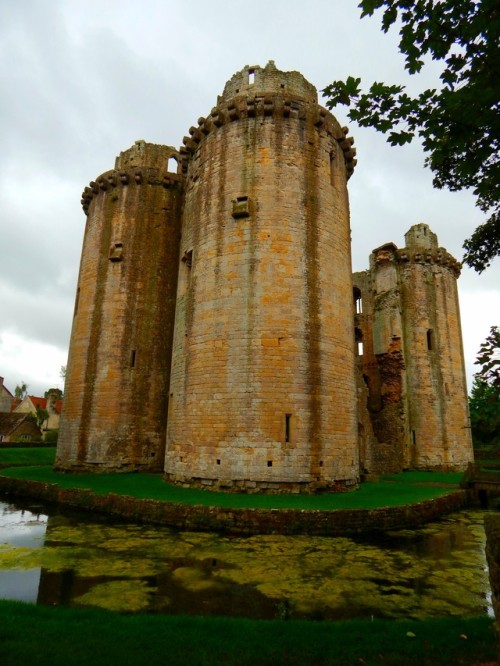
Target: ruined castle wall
(114, 413)
(262, 391)
(382, 363)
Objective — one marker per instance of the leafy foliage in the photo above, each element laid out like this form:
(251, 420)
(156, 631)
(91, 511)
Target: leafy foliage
(484, 406)
(484, 402)
(489, 359)
(21, 390)
(42, 416)
(57, 391)
(459, 124)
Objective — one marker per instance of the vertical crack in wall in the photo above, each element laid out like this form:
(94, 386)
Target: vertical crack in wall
(313, 322)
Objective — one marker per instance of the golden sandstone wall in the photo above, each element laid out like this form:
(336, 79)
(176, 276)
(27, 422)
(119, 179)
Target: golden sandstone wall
(115, 406)
(246, 245)
(263, 391)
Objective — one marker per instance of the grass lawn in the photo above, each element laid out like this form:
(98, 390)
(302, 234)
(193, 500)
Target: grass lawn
(27, 456)
(41, 635)
(392, 490)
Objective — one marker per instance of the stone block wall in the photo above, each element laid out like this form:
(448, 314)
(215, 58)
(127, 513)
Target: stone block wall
(115, 408)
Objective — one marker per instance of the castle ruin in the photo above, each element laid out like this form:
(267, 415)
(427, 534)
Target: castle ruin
(219, 335)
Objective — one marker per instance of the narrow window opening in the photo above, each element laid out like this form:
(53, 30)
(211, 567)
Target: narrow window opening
(269, 463)
(132, 358)
(218, 461)
(188, 258)
(430, 340)
(358, 338)
(288, 427)
(153, 454)
(414, 437)
(170, 407)
(172, 165)
(77, 300)
(332, 168)
(321, 463)
(358, 301)
(251, 77)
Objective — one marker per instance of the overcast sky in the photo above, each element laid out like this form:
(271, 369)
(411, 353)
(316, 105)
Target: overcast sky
(81, 80)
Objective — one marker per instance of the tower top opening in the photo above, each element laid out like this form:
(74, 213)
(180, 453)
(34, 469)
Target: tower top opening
(253, 80)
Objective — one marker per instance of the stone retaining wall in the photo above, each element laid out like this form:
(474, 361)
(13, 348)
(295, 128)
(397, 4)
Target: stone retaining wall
(241, 521)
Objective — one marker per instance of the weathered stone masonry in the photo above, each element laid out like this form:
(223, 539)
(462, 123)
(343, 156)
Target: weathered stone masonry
(246, 247)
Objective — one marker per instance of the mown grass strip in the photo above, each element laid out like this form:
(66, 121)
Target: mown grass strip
(40, 635)
(400, 490)
(27, 456)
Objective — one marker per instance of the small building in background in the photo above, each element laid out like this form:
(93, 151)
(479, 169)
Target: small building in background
(6, 398)
(19, 428)
(52, 404)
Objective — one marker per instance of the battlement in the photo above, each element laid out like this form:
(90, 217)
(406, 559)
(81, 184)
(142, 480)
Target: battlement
(421, 248)
(257, 92)
(147, 154)
(255, 80)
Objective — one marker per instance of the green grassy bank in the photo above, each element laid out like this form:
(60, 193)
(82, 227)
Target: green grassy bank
(392, 490)
(57, 637)
(27, 455)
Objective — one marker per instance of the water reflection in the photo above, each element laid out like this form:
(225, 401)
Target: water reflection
(22, 530)
(438, 570)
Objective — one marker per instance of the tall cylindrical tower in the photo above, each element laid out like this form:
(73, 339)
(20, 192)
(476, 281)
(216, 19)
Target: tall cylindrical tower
(115, 406)
(435, 373)
(262, 392)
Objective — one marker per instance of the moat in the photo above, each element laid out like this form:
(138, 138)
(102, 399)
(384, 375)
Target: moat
(62, 558)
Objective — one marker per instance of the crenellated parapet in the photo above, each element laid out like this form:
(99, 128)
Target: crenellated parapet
(440, 257)
(134, 176)
(276, 105)
(389, 253)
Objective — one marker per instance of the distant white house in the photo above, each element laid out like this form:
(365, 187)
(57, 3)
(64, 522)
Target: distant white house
(52, 404)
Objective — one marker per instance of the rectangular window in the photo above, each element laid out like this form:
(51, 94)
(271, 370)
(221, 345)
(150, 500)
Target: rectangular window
(116, 252)
(430, 340)
(288, 427)
(414, 438)
(132, 358)
(251, 77)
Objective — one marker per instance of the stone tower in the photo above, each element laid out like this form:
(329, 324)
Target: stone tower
(412, 357)
(262, 390)
(115, 407)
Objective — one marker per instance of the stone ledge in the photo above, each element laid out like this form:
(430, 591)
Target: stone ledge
(225, 520)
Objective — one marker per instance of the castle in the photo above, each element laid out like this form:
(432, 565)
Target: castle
(219, 335)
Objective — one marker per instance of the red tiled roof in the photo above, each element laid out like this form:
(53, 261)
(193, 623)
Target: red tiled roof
(41, 403)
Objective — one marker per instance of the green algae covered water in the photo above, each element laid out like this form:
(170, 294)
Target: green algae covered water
(76, 560)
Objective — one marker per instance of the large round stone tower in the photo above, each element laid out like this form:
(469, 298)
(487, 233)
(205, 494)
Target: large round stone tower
(115, 404)
(262, 391)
